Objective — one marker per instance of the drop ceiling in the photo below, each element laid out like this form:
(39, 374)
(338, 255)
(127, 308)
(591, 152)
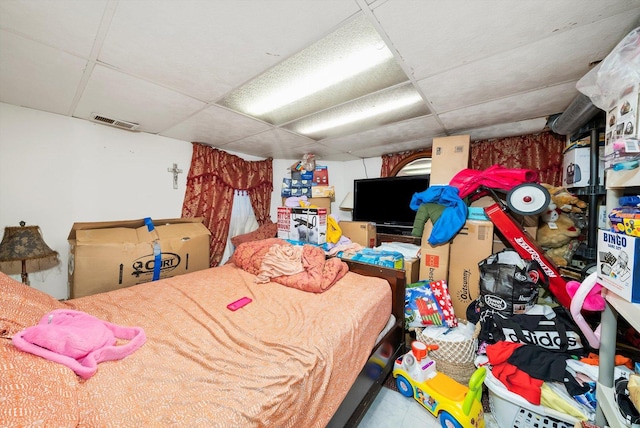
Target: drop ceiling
(491, 69)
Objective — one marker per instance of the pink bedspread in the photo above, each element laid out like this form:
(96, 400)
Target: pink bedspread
(287, 359)
(318, 275)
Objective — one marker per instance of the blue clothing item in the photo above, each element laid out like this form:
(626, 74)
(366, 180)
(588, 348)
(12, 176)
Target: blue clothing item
(453, 217)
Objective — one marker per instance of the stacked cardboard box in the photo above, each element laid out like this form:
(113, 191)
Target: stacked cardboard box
(105, 256)
(360, 232)
(307, 225)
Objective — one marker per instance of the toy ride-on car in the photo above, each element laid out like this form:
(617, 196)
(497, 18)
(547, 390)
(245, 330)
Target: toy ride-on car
(455, 405)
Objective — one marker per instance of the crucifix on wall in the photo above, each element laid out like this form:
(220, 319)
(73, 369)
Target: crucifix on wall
(175, 170)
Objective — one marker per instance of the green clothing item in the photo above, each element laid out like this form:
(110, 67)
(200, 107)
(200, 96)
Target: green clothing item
(425, 212)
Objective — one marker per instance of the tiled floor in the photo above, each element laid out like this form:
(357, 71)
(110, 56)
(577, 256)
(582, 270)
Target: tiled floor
(392, 410)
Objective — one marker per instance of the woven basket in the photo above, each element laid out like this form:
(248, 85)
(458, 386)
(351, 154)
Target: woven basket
(453, 358)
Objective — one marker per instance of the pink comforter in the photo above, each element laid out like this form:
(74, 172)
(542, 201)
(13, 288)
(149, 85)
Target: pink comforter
(318, 274)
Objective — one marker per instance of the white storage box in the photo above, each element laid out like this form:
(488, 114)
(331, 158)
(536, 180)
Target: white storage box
(512, 411)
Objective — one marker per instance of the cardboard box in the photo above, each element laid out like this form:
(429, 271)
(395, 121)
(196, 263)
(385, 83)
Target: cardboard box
(434, 261)
(470, 246)
(303, 224)
(318, 202)
(500, 243)
(576, 167)
(449, 155)
(412, 270)
(360, 232)
(618, 264)
(323, 192)
(321, 176)
(105, 256)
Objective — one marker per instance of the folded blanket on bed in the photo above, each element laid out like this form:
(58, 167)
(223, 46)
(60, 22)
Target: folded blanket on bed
(280, 260)
(318, 273)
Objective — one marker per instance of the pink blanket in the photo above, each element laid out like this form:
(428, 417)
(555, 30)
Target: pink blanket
(495, 177)
(318, 274)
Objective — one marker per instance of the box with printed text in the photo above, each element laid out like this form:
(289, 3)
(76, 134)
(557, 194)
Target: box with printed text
(618, 264)
(303, 224)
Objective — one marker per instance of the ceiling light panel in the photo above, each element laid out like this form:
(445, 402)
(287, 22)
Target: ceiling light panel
(388, 106)
(349, 63)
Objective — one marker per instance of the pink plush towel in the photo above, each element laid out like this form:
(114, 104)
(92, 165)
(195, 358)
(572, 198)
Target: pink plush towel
(78, 340)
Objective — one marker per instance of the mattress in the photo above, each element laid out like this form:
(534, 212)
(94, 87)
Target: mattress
(286, 359)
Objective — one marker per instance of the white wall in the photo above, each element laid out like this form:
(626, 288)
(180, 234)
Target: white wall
(56, 170)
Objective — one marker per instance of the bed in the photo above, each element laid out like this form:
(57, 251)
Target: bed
(289, 358)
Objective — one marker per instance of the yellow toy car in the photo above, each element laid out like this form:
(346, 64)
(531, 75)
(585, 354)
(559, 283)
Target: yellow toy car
(455, 405)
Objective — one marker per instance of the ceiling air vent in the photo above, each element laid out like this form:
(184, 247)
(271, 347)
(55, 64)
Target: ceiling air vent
(123, 124)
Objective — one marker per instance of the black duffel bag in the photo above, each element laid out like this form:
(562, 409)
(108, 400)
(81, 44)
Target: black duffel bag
(509, 285)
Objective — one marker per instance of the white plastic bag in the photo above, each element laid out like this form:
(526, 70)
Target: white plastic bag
(605, 83)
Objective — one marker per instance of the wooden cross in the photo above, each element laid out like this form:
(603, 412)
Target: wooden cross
(175, 172)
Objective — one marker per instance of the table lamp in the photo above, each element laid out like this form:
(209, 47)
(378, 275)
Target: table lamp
(25, 244)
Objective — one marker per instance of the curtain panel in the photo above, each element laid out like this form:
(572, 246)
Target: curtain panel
(539, 152)
(213, 177)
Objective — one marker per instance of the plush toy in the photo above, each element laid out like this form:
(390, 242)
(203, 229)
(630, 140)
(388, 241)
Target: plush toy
(557, 235)
(556, 231)
(565, 201)
(561, 256)
(593, 301)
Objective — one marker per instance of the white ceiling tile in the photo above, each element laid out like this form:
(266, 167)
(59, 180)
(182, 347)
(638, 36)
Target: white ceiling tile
(45, 79)
(560, 58)
(503, 130)
(408, 130)
(387, 148)
(128, 98)
(215, 125)
(510, 109)
(275, 143)
(457, 32)
(48, 22)
(206, 48)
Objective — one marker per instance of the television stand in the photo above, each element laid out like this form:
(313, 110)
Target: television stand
(392, 237)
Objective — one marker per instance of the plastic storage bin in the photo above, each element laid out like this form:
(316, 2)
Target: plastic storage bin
(512, 411)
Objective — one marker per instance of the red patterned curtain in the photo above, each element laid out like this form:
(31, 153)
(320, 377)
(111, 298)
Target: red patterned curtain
(390, 161)
(540, 152)
(213, 177)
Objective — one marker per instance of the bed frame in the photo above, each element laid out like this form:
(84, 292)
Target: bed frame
(365, 389)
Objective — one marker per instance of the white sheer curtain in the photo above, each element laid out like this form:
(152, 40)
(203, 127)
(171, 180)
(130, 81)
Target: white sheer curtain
(243, 220)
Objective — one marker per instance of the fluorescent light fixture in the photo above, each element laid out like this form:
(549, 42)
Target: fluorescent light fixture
(381, 108)
(356, 116)
(323, 78)
(344, 83)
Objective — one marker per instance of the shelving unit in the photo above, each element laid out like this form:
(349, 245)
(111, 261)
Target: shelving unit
(608, 412)
(607, 407)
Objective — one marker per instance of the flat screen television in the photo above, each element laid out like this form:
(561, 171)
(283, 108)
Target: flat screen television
(385, 201)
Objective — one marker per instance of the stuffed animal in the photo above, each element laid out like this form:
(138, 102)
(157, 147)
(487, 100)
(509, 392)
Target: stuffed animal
(561, 256)
(565, 201)
(557, 235)
(593, 301)
(558, 232)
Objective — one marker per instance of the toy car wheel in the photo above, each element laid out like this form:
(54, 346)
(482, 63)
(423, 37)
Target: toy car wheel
(528, 199)
(448, 421)
(404, 387)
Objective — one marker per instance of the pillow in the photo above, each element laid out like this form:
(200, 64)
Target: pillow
(22, 306)
(267, 230)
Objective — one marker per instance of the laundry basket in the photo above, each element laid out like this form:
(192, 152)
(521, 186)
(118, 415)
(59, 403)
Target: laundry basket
(512, 411)
(455, 358)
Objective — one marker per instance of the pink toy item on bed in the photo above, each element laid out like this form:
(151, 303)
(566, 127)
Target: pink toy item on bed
(78, 340)
(586, 295)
